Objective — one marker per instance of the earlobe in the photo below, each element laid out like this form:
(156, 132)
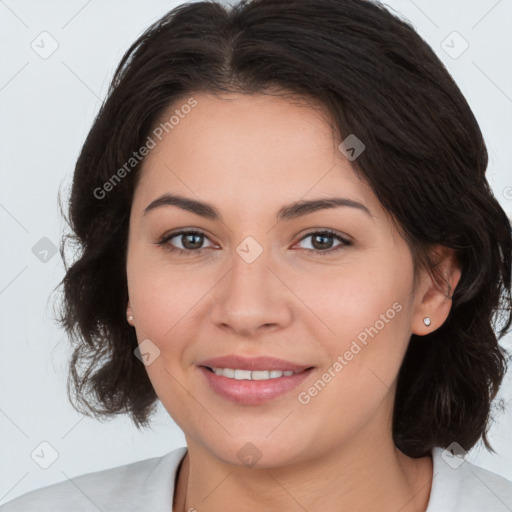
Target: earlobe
(435, 294)
(129, 314)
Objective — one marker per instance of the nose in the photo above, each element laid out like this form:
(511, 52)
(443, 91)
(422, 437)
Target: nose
(251, 298)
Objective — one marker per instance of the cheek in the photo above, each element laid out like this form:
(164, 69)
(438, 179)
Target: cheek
(358, 298)
(163, 301)
(162, 296)
(367, 314)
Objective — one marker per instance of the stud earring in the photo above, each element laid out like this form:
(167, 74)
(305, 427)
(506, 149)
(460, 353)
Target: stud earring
(426, 321)
(130, 318)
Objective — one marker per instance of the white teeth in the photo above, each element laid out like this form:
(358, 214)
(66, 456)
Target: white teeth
(260, 375)
(242, 374)
(251, 375)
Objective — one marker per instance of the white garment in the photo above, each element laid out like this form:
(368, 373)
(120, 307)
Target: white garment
(148, 486)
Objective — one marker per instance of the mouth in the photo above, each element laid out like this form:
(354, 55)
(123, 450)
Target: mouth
(237, 374)
(252, 381)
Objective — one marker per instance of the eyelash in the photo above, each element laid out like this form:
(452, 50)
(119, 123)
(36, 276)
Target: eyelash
(163, 242)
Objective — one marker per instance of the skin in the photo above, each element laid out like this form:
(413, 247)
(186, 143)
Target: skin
(249, 155)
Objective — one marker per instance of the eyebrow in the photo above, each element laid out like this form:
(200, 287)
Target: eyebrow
(289, 212)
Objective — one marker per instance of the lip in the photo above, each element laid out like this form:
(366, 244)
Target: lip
(253, 392)
(253, 363)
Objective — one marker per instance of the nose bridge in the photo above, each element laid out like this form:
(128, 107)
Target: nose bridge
(250, 295)
(249, 282)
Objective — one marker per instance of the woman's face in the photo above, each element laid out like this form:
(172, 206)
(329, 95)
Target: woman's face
(261, 279)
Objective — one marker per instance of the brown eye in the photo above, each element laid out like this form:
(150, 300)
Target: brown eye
(184, 241)
(322, 241)
(191, 240)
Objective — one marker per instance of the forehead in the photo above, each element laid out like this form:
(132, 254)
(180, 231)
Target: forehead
(254, 148)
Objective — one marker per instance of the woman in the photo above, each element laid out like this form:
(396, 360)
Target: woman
(288, 239)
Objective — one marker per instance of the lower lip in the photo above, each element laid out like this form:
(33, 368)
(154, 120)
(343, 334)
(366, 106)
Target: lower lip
(253, 392)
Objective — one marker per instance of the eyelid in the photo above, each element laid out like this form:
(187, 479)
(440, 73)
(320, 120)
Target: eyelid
(319, 230)
(344, 240)
(172, 234)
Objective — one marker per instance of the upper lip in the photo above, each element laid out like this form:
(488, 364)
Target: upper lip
(253, 363)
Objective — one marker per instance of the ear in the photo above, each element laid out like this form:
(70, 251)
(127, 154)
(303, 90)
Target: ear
(434, 293)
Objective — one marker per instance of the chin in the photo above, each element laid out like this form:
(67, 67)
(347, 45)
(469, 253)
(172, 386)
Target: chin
(258, 452)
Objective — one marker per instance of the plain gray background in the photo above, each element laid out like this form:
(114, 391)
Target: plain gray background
(47, 105)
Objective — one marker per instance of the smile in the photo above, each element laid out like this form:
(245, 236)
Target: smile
(251, 375)
(252, 387)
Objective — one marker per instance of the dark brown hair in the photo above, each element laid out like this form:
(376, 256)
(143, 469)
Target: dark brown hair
(425, 160)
